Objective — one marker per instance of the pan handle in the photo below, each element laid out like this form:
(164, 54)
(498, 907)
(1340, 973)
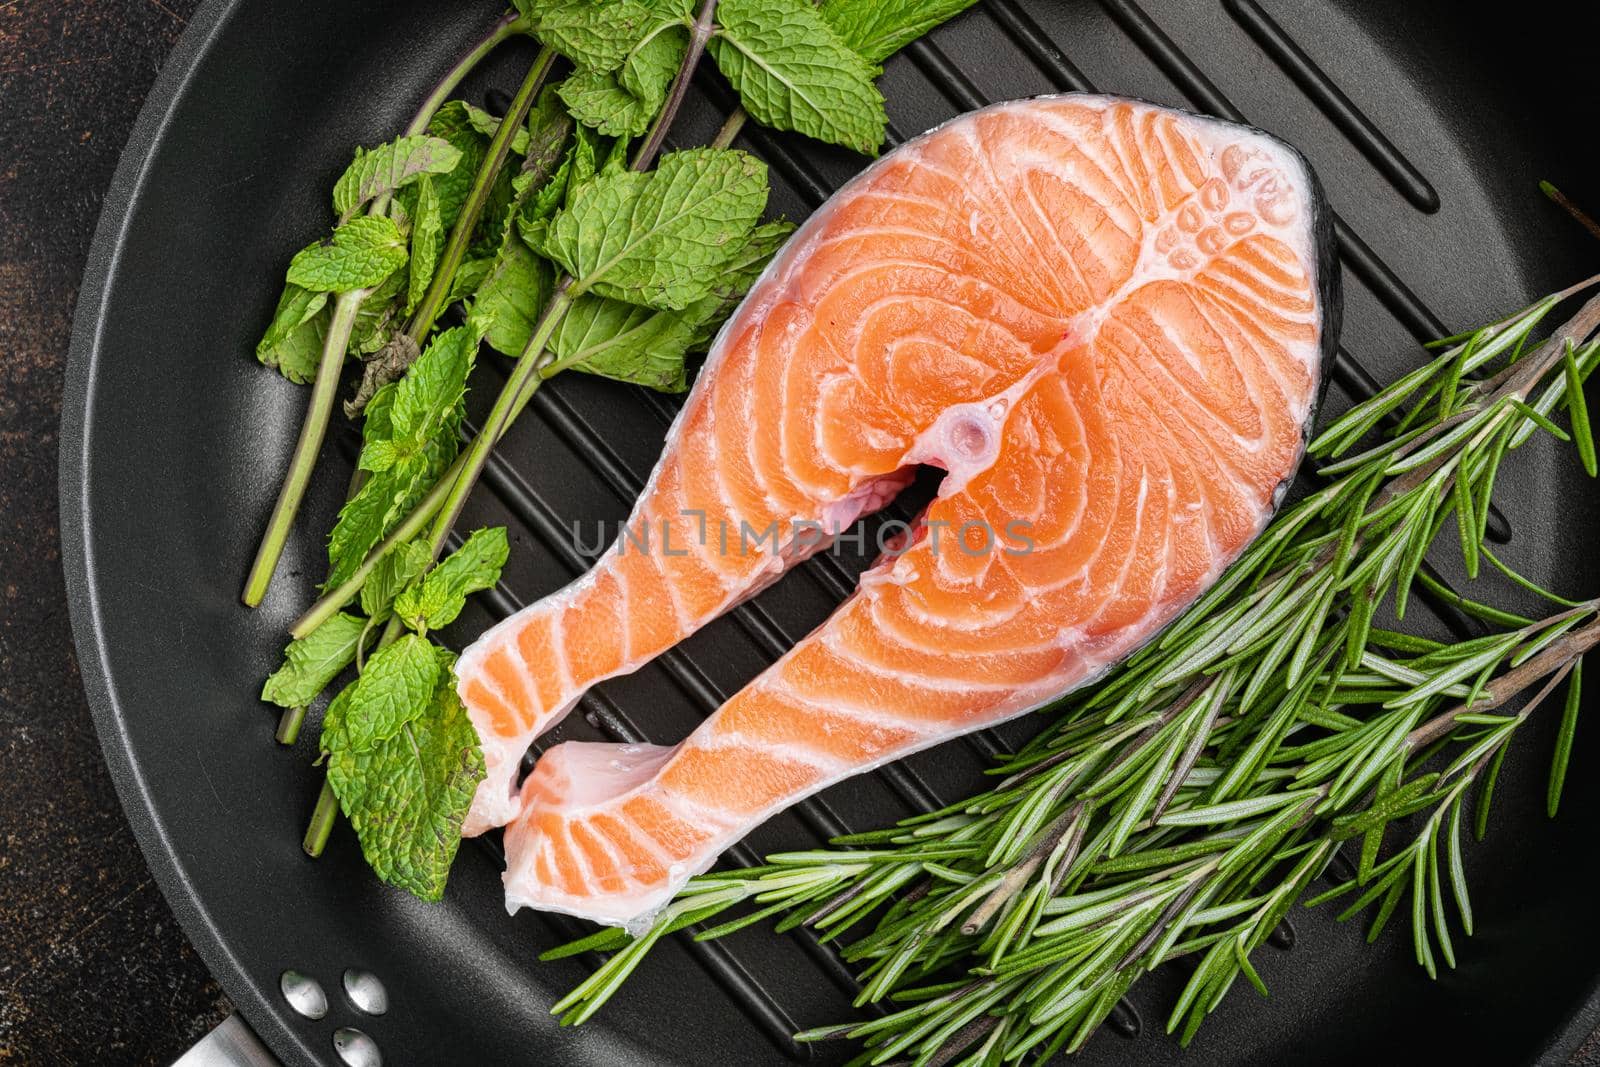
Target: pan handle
(230, 1044)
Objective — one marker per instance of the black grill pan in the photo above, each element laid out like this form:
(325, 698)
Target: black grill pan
(1429, 130)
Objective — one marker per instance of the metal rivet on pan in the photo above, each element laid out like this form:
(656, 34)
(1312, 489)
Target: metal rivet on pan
(304, 994)
(355, 1048)
(365, 991)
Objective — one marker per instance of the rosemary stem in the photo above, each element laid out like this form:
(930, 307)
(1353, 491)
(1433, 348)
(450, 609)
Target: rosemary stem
(1582, 217)
(304, 460)
(1557, 657)
(455, 248)
(699, 34)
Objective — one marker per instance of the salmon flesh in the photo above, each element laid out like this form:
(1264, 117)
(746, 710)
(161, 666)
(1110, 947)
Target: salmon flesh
(1104, 320)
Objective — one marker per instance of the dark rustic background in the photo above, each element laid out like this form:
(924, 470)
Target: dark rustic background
(93, 968)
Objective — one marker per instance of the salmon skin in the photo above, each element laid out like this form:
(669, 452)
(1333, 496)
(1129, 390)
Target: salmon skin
(1104, 320)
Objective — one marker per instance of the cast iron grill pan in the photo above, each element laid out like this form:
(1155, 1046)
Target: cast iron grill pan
(1428, 138)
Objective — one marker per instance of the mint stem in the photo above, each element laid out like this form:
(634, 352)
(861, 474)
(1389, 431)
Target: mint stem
(699, 34)
(482, 185)
(525, 373)
(289, 724)
(346, 307)
(323, 817)
(730, 128)
(507, 26)
(312, 431)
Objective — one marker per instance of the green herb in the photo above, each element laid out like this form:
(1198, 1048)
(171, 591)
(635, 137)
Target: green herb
(793, 72)
(427, 232)
(312, 662)
(409, 441)
(406, 792)
(388, 168)
(437, 599)
(398, 569)
(684, 219)
(508, 301)
(328, 267)
(598, 35)
(394, 688)
(621, 103)
(359, 255)
(293, 343)
(876, 29)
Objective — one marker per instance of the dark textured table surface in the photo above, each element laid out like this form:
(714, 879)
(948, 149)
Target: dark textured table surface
(93, 968)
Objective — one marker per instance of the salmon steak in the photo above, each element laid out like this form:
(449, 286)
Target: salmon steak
(1103, 320)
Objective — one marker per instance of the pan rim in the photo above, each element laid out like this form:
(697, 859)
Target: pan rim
(122, 201)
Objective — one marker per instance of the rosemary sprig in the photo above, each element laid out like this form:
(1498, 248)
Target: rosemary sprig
(1183, 806)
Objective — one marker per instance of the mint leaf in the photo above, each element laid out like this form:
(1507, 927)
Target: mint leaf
(375, 320)
(313, 661)
(431, 391)
(384, 499)
(654, 238)
(395, 688)
(598, 35)
(453, 122)
(793, 72)
(625, 342)
(489, 125)
(585, 162)
(292, 344)
(427, 240)
(644, 347)
(424, 401)
(735, 278)
(408, 796)
(388, 496)
(359, 255)
(623, 102)
(511, 297)
(468, 277)
(389, 167)
(438, 598)
(392, 574)
(876, 29)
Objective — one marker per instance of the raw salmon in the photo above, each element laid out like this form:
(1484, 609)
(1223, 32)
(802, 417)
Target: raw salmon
(1105, 320)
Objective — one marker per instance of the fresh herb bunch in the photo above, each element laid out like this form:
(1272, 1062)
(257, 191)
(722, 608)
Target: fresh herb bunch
(515, 217)
(1184, 805)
